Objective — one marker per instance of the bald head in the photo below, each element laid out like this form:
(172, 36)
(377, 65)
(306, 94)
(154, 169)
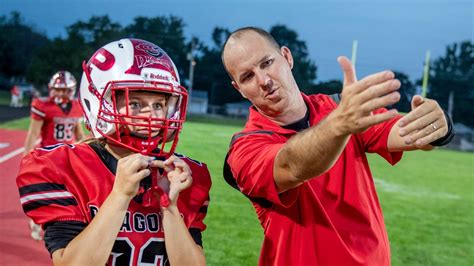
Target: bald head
(240, 35)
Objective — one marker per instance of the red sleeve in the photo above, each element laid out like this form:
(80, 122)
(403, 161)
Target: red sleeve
(202, 198)
(37, 110)
(198, 196)
(43, 195)
(375, 139)
(251, 160)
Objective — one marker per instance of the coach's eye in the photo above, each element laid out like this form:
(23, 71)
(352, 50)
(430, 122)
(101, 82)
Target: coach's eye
(267, 63)
(247, 77)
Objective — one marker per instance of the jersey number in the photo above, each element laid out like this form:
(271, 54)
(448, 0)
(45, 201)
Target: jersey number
(152, 252)
(63, 132)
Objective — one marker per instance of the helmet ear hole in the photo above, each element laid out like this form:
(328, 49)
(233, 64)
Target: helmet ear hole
(88, 104)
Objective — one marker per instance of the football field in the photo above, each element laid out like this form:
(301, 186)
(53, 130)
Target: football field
(427, 200)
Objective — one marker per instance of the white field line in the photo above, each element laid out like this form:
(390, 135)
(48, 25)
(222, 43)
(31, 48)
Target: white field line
(413, 192)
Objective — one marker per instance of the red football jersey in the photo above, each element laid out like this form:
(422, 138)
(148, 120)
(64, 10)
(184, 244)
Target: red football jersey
(59, 124)
(332, 219)
(70, 183)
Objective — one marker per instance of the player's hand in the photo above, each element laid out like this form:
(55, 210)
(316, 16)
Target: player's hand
(424, 124)
(179, 175)
(360, 98)
(130, 171)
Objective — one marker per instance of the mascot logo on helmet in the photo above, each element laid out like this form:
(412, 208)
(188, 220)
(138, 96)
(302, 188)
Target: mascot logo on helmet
(148, 55)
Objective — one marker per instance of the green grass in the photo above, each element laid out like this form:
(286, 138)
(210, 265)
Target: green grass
(428, 205)
(22, 123)
(427, 200)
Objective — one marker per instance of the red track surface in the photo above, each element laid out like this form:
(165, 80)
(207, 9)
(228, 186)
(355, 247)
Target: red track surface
(16, 245)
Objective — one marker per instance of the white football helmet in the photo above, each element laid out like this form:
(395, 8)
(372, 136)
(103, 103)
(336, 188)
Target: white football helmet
(62, 80)
(138, 65)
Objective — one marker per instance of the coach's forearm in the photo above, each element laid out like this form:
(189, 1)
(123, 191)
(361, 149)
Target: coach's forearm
(94, 244)
(309, 153)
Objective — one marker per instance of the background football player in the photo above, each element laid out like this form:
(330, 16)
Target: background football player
(124, 197)
(57, 118)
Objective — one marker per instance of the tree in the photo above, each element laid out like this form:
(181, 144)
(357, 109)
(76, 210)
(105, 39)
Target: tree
(326, 87)
(58, 55)
(96, 32)
(166, 32)
(304, 70)
(18, 43)
(407, 91)
(210, 74)
(453, 74)
(68, 54)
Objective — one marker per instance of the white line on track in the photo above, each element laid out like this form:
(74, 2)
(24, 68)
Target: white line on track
(11, 154)
(14, 153)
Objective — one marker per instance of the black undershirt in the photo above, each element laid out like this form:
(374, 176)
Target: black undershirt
(301, 124)
(66, 108)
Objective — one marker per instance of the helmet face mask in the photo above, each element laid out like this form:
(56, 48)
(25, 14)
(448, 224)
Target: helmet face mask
(133, 67)
(62, 87)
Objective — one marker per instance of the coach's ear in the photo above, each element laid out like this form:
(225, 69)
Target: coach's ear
(234, 84)
(286, 53)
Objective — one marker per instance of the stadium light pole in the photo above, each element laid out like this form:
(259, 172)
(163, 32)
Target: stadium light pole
(426, 73)
(354, 52)
(192, 63)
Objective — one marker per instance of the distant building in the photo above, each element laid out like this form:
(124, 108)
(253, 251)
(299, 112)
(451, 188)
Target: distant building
(198, 103)
(464, 138)
(239, 109)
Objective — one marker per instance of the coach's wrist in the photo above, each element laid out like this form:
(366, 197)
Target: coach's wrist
(335, 125)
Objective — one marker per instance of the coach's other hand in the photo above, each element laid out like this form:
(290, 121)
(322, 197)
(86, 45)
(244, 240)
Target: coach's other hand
(424, 124)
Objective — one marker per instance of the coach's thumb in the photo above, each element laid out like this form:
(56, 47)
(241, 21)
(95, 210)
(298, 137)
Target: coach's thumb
(348, 70)
(416, 101)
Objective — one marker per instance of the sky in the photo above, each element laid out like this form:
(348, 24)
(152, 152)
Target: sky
(391, 34)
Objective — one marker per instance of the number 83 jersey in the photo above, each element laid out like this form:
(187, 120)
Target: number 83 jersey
(59, 121)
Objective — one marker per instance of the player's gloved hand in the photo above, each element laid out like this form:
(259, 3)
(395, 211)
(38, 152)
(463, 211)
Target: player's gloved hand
(179, 175)
(130, 170)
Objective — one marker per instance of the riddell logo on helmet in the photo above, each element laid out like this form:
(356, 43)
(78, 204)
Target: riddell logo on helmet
(157, 76)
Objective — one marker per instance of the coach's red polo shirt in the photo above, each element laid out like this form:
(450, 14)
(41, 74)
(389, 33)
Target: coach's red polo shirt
(332, 219)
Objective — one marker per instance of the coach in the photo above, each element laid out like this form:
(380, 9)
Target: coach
(301, 159)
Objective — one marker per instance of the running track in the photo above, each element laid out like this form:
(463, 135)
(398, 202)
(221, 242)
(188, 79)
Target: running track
(16, 245)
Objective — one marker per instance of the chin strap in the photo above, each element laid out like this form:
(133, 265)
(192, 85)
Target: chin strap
(143, 145)
(150, 195)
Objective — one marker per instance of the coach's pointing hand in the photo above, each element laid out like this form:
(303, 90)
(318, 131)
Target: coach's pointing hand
(360, 98)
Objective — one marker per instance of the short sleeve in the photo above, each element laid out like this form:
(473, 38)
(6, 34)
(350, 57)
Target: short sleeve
(375, 139)
(37, 110)
(44, 197)
(251, 160)
(198, 197)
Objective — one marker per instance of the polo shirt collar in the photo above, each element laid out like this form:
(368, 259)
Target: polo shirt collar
(258, 121)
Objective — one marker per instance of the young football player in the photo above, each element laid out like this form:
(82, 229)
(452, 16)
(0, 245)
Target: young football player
(124, 197)
(57, 118)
